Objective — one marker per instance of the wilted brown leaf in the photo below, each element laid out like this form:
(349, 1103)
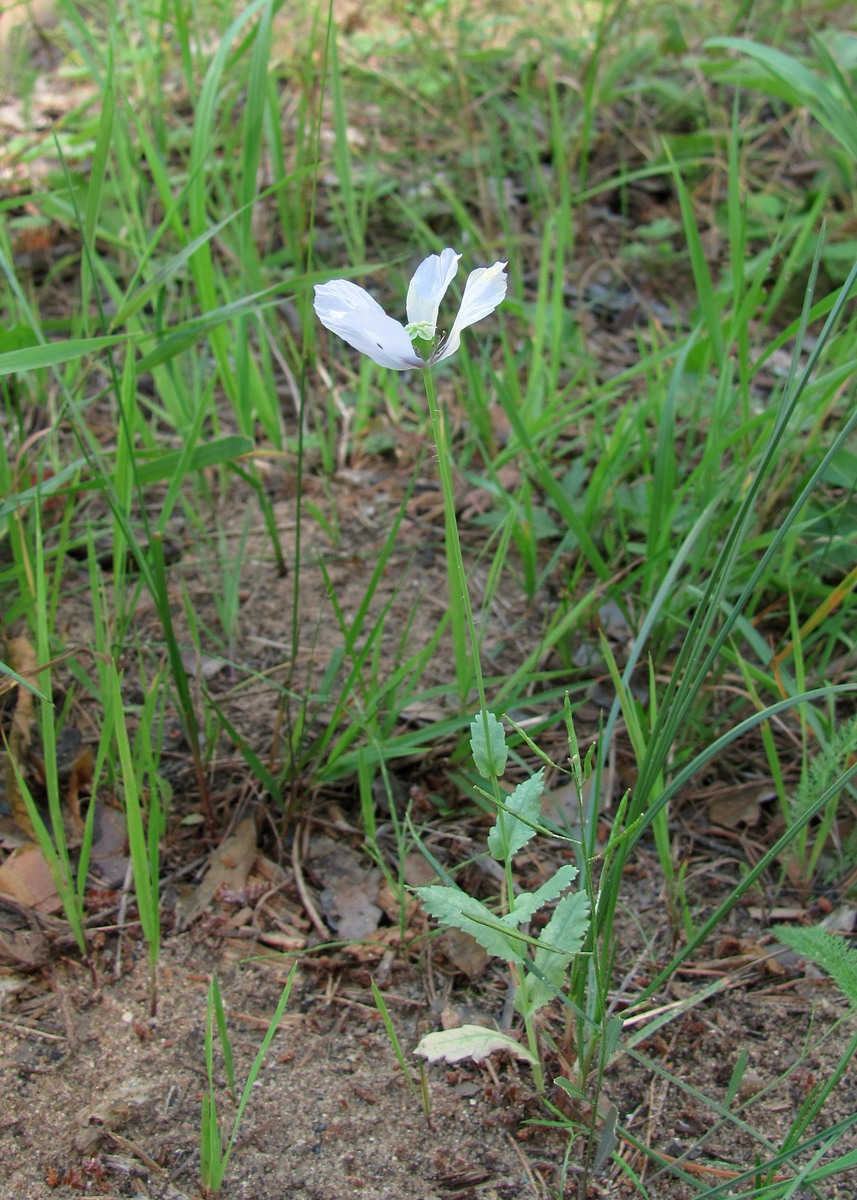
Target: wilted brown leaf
(464, 952)
(109, 1114)
(229, 867)
(739, 804)
(21, 940)
(349, 888)
(26, 877)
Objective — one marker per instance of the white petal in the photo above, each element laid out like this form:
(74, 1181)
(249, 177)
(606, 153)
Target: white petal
(428, 287)
(485, 288)
(349, 311)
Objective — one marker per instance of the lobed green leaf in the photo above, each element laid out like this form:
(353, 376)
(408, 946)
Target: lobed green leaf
(488, 743)
(454, 908)
(509, 835)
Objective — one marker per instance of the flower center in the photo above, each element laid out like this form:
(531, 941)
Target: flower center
(422, 331)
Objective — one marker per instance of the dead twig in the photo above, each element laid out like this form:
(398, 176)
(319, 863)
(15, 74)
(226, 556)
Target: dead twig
(306, 899)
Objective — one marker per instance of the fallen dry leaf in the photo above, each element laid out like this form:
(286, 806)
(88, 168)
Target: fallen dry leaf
(21, 940)
(349, 886)
(351, 909)
(464, 952)
(229, 867)
(739, 804)
(418, 871)
(26, 877)
(109, 1114)
(842, 919)
(109, 857)
(390, 902)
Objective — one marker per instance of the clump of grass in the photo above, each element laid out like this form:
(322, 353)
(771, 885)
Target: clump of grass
(213, 1157)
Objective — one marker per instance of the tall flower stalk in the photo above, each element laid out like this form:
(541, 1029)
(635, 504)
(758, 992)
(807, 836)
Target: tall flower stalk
(460, 608)
(350, 312)
(354, 315)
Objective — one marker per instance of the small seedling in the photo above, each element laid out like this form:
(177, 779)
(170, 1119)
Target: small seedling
(538, 964)
(213, 1159)
(423, 1093)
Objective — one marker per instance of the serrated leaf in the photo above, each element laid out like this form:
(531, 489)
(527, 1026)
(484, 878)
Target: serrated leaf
(508, 835)
(559, 941)
(567, 927)
(488, 754)
(453, 907)
(528, 903)
(469, 1041)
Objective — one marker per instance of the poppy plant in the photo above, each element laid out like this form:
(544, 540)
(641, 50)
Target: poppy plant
(350, 312)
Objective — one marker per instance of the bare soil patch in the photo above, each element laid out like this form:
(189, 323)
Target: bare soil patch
(99, 1098)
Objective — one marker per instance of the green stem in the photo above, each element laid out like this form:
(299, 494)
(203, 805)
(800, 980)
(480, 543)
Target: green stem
(459, 596)
(459, 600)
(530, 1028)
(533, 1044)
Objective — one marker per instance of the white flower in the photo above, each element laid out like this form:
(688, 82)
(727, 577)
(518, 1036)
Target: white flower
(349, 311)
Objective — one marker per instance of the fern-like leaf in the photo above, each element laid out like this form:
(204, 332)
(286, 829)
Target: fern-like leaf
(826, 950)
